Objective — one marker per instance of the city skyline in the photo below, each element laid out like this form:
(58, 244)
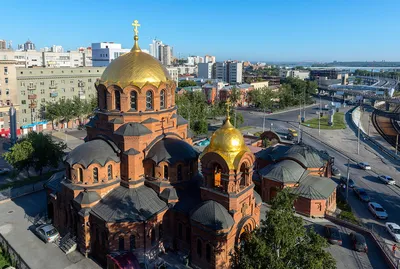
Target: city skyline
(312, 31)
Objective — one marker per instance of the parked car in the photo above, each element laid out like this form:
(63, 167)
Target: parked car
(359, 243)
(377, 210)
(4, 171)
(335, 171)
(292, 132)
(47, 233)
(394, 230)
(333, 235)
(362, 194)
(364, 166)
(387, 179)
(351, 182)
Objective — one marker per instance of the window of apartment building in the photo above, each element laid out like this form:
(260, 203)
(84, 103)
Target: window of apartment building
(115, 54)
(42, 83)
(71, 81)
(7, 91)
(24, 120)
(41, 72)
(89, 80)
(52, 82)
(43, 100)
(22, 73)
(72, 89)
(8, 102)
(24, 111)
(42, 91)
(22, 92)
(1, 114)
(5, 70)
(22, 83)
(6, 80)
(63, 89)
(23, 102)
(62, 81)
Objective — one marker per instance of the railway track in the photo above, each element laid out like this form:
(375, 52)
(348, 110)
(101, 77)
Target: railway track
(387, 127)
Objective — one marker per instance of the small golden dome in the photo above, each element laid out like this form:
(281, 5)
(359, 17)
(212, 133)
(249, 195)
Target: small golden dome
(228, 142)
(135, 68)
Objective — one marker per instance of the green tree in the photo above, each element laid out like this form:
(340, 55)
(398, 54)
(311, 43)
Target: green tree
(282, 242)
(236, 118)
(200, 126)
(20, 156)
(235, 95)
(186, 83)
(46, 152)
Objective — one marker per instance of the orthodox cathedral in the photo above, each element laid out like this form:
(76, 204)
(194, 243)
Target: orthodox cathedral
(137, 186)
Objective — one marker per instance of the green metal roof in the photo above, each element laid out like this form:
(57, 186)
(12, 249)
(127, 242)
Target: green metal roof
(315, 188)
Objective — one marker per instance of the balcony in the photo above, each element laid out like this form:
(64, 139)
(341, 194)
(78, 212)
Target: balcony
(32, 105)
(32, 96)
(53, 94)
(31, 87)
(81, 84)
(53, 86)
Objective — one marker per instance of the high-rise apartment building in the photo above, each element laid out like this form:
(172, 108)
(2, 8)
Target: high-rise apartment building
(165, 54)
(209, 59)
(205, 70)
(193, 60)
(154, 48)
(28, 45)
(104, 53)
(231, 72)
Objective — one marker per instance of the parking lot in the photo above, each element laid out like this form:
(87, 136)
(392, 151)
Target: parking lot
(15, 227)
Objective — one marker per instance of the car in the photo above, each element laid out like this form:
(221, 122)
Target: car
(362, 194)
(4, 171)
(335, 171)
(394, 230)
(332, 233)
(351, 182)
(47, 233)
(359, 242)
(387, 179)
(364, 166)
(377, 210)
(292, 132)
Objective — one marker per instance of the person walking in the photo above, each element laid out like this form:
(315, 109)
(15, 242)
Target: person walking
(394, 249)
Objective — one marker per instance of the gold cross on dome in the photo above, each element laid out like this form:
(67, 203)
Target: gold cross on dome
(228, 104)
(135, 25)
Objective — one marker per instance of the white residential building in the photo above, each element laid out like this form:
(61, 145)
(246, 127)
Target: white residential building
(104, 53)
(300, 74)
(165, 54)
(155, 48)
(205, 70)
(173, 72)
(187, 69)
(231, 72)
(209, 59)
(193, 60)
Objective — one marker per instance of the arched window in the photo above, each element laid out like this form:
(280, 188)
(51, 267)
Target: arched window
(166, 171)
(217, 175)
(80, 175)
(117, 100)
(208, 253)
(162, 99)
(179, 172)
(153, 236)
(132, 242)
(105, 99)
(170, 98)
(95, 175)
(133, 100)
(244, 171)
(109, 171)
(199, 247)
(149, 100)
(121, 243)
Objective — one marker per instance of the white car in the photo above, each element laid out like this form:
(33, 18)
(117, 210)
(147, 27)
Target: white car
(47, 233)
(364, 166)
(377, 210)
(394, 230)
(387, 179)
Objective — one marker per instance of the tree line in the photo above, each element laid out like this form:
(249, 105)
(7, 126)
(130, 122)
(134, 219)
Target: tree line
(386, 74)
(64, 110)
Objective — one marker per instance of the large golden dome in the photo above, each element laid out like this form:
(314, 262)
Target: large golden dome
(228, 142)
(135, 68)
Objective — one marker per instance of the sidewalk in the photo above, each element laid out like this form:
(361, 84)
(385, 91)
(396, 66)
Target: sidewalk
(71, 141)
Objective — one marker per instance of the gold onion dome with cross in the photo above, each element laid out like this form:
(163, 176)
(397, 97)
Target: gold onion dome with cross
(135, 68)
(228, 142)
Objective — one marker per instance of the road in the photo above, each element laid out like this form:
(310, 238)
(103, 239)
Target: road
(387, 196)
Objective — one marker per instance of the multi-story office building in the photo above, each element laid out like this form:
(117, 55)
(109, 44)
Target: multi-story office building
(231, 72)
(48, 59)
(205, 70)
(3, 44)
(8, 93)
(328, 73)
(173, 72)
(28, 45)
(165, 54)
(209, 59)
(36, 86)
(104, 53)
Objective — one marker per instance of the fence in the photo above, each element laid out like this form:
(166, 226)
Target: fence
(16, 259)
(15, 192)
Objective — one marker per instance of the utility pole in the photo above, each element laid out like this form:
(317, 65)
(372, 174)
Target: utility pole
(319, 117)
(358, 137)
(347, 180)
(299, 134)
(369, 123)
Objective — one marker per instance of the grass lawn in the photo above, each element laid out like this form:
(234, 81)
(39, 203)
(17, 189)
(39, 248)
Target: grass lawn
(28, 180)
(346, 213)
(338, 122)
(4, 259)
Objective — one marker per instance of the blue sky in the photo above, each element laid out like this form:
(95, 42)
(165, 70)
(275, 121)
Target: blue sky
(291, 30)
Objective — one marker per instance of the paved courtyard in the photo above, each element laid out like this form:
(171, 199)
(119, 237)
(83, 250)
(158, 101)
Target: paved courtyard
(14, 226)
